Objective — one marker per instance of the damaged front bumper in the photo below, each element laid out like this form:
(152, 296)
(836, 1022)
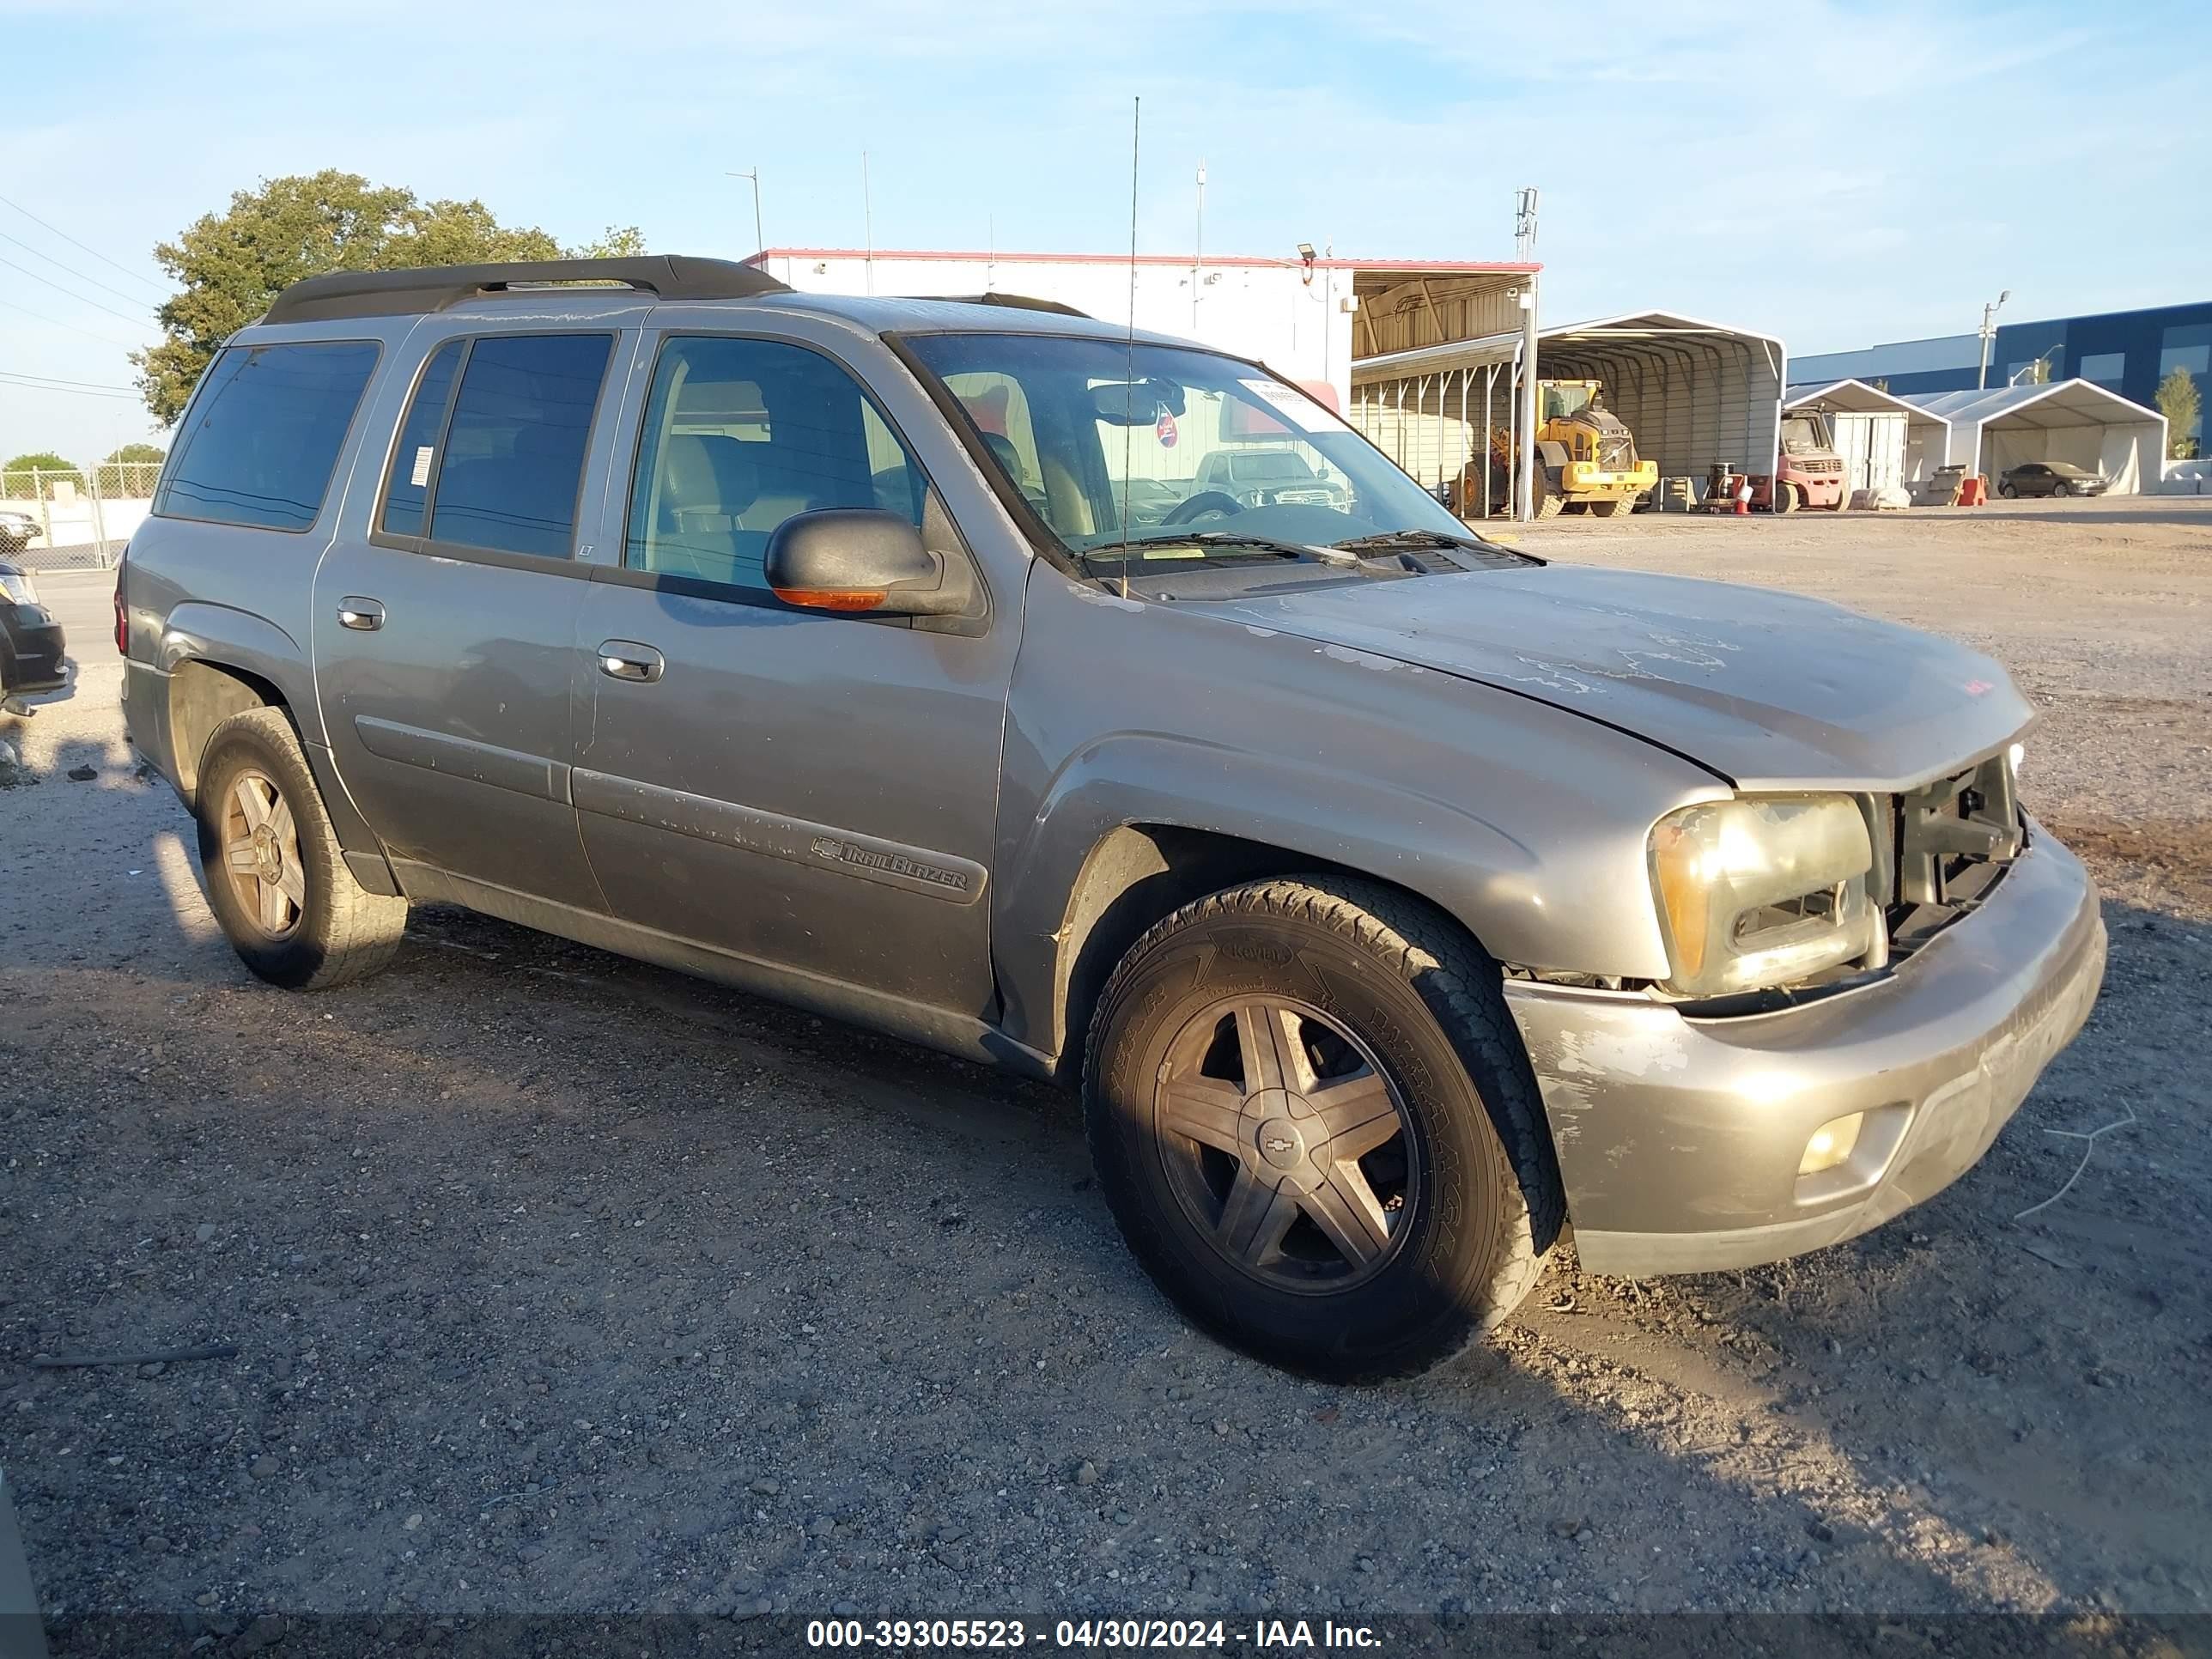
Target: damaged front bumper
(1680, 1140)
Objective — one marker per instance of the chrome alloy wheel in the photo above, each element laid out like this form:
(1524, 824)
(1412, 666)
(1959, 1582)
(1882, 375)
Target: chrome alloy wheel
(1288, 1146)
(261, 855)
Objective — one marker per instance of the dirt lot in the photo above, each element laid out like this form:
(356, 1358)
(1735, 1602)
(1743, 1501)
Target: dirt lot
(561, 1283)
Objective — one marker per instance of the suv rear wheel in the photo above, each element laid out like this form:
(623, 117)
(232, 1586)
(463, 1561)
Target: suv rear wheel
(276, 878)
(1317, 1129)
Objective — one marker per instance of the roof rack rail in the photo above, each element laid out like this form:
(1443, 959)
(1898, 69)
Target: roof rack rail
(1019, 301)
(434, 287)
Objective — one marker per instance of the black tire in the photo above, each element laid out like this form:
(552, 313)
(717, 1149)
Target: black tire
(1482, 1202)
(332, 930)
(1611, 509)
(1785, 498)
(2005, 488)
(2062, 488)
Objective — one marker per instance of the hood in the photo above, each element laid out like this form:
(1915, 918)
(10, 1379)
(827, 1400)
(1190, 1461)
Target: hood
(1769, 690)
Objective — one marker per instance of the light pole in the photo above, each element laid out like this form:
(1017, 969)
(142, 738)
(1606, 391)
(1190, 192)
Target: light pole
(1988, 337)
(751, 175)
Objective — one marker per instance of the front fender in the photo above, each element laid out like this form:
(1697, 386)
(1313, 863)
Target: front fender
(1524, 821)
(1471, 867)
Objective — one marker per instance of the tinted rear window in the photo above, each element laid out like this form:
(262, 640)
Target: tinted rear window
(263, 436)
(408, 490)
(515, 448)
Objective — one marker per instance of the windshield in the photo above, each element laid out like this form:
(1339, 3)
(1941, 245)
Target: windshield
(1803, 434)
(1564, 398)
(1147, 446)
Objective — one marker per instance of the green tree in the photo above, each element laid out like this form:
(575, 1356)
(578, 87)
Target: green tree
(229, 266)
(2180, 401)
(16, 484)
(620, 242)
(136, 455)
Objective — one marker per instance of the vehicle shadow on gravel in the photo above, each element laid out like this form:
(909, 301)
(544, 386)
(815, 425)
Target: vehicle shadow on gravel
(563, 1282)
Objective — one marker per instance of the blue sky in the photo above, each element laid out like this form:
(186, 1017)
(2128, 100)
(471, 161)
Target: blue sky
(1840, 175)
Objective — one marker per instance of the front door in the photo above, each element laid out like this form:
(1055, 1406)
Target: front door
(800, 789)
(445, 637)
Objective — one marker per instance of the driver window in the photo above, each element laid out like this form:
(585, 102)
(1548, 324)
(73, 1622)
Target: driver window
(741, 434)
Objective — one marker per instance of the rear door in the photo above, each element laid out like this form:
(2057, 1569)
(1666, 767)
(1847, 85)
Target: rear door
(800, 789)
(445, 627)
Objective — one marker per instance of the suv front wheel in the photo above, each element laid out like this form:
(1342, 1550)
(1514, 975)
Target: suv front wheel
(1317, 1128)
(276, 878)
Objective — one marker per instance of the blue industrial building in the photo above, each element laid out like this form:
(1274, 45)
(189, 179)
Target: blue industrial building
(2128, 352)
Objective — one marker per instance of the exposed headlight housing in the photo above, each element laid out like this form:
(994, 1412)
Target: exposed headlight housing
(17, 585)
(1760, 890)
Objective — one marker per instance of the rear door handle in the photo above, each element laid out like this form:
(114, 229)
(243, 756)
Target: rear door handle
(365, 616)
(626, 659)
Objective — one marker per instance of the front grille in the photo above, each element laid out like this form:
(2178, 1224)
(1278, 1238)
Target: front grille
(1304, 498)
(1947, 843)
(1819, 469)
(1617, 453)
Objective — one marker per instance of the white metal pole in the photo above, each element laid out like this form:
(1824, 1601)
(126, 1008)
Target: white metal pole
(98, 518)
(1489, 391)
(868, 220)
(1198, 246)
(1525, 505)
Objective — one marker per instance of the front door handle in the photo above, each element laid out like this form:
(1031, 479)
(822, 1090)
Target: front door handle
(366, 616)
(626, 659)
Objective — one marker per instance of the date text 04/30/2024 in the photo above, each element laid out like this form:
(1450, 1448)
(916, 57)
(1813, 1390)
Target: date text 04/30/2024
(1293, 1634)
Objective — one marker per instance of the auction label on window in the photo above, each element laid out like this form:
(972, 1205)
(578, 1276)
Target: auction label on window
(1299, 411)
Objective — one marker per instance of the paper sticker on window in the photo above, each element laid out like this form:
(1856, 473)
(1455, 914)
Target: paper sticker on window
(1300, 413)
(421, 474)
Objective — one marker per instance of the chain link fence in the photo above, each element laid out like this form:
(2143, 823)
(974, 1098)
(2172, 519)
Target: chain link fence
(75, 520)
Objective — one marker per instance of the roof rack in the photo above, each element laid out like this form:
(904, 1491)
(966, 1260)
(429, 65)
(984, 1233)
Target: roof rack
(1019, 301)
(434, 287)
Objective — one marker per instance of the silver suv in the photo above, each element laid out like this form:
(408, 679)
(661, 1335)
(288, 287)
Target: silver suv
(1399, 901)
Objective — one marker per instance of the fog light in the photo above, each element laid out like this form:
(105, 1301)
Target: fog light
(1831, 1144)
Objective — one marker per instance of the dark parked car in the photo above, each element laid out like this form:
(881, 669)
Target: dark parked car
(31, 644)
(17, 527)
(2052, 478)
(1397, 899)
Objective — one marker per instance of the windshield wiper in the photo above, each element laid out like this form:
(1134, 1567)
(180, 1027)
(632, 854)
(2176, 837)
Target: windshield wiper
(1402, 541)
(1276, 545)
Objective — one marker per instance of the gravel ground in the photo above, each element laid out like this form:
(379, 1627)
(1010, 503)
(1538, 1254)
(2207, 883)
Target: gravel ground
(562, 1284)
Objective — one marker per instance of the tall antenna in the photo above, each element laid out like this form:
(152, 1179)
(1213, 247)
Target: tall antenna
(1524, 222)
(1129, 377)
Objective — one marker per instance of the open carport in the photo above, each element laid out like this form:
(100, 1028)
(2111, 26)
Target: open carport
(2075, 421)
(1884, 439)
(1692, 391)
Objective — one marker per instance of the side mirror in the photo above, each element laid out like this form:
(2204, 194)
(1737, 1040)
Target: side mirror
(860, 560)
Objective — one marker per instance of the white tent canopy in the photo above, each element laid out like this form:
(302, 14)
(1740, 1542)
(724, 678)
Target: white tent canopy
(1692, 391)
(2078, 421)
(1915, 439)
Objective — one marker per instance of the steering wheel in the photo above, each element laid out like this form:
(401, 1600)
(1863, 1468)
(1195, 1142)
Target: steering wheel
(1205, 507)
